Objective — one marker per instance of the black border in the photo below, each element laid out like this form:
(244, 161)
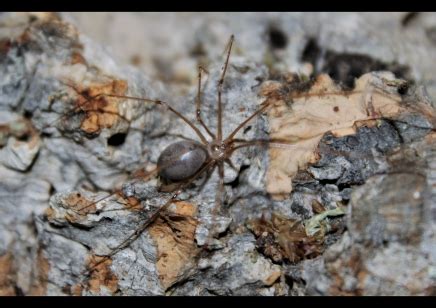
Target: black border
(220, 5)
(222, 302)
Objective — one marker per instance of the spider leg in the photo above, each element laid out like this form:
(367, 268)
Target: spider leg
(198, 103)
(139, 178)
(129, 240)
(220, 192)
(229, 162)
(166, 105)
(369, 90)
(139, 99)
(291, 145)
(219, 197)
(220, 86)
(264, 106)
(145, 177)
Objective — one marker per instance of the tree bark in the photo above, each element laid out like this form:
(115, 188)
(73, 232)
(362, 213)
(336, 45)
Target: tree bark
(345, 207)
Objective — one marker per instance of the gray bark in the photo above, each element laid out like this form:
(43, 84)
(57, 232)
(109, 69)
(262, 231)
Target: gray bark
(375, 233)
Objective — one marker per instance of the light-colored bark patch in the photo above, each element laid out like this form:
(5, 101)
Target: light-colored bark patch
(174, 235)
(101, 276)
(39, 284)
(6, 271)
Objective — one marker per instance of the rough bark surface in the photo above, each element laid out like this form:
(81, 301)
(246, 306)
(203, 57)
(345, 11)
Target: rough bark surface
(346, 207)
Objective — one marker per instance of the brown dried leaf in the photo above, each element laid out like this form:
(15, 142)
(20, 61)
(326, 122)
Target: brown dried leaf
(324, 108)
(282, 238)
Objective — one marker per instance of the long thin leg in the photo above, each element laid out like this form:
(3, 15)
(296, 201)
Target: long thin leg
(162, 103)
(220, 193)
(267, 104)
(80, 106)
(219, 197)
(283, 145)
(229, 162)
(198, 104)
(206, 179)
(157, 102)
(220, 85)
(143, 178)
(151, 219)
(70, 112)
(264, 106)
(280, 145)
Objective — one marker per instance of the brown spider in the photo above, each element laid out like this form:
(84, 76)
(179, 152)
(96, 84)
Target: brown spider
(183, 162)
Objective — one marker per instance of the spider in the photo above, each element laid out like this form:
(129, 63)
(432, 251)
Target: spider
(183, 162)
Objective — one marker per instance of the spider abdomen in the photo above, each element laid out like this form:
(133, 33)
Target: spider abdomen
(181, 160)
